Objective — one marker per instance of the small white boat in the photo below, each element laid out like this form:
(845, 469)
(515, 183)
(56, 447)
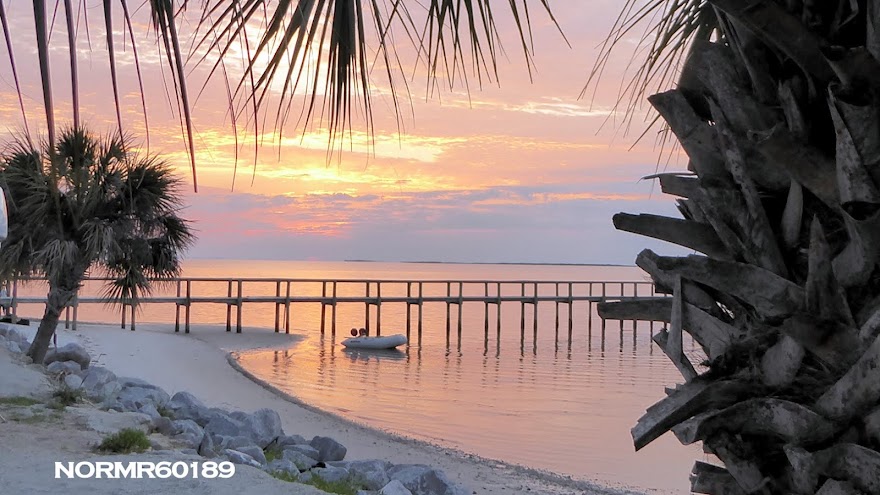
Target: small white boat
(378, 342)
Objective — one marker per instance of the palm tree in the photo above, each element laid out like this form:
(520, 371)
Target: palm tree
(88, 204)
(778, 108)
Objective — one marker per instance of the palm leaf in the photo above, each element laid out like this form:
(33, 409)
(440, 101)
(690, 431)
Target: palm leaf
(45, 77)
(5, 25)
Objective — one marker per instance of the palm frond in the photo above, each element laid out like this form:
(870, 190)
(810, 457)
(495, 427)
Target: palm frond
(4, 23)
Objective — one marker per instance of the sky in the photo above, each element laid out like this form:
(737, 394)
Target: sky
(515, 170)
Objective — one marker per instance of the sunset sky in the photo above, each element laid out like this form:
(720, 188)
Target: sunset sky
(521, 171)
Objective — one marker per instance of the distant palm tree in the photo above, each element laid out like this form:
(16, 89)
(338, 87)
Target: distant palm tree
(89, 204)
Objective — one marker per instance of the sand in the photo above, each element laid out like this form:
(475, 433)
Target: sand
(203, 363)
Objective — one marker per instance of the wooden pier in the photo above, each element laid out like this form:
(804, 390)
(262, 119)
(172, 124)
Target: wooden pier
(285, 294)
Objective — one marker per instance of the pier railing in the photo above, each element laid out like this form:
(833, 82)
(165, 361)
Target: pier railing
(284, 293)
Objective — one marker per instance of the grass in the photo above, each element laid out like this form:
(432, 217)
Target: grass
(342, 487)
(66, 396)
(165, 412)
(125, 441)
(272, 454)
(283, 476)
(18, 401)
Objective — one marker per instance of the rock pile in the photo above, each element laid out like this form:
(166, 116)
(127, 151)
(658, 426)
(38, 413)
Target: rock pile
(256, 439)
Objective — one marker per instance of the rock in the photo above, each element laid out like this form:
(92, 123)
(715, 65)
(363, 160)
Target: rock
(127, 381)
(69, 352)
(372, 474)
(184, 405)
(163, 425)
(180, 426)
(150, 410)
(284, 466)
(395, 487)
(99, 383)
(158, 442)
(305, 477)
(234, 443)
(331, 474)
(365, 492)
(106, 422)
(73, 382)
(306, 450)
(190, 440)
(206, 447)
(224, 425)
(133, 397)
(255, 452)
(63, 367)
(237, 457)
(13, 347)
(285, 440)
(328, 449)
(264, 426)
(422, 480)
(300, 460)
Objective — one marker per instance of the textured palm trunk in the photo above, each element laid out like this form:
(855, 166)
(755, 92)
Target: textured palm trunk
(781, 122)
(59, 298)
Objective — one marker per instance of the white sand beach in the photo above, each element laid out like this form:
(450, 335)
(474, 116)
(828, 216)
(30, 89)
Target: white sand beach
(200, 363)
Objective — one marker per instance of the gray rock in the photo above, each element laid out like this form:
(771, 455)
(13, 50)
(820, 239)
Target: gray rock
(300, 460)
(4, 329)
(423, 480)
(184, 405)
(237, 457)
(163, 425)
(306, 450)
(69, 352)
(150, 410)
(224, 425)
(395, 487)
(189, 451)
(206, 447)
(372, 474)
(366, 492)
(127, 381)
(59, 367)
(73, 382)
(284, 466)
(305, 477)
(255, 452)
(99, 383)
(133, 397)
(187, 426)
(264, 426)
(13, 347)
(106, 422)
(190, 440)
(331, 474)
(328, 449)
(285, 440)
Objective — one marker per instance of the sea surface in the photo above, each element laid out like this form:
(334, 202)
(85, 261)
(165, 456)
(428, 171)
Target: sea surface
(539, 400)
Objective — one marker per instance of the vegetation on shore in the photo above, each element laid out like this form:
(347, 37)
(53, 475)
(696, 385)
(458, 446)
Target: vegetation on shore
(125, 441)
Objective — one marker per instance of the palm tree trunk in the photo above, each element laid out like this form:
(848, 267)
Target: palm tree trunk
(58, 299)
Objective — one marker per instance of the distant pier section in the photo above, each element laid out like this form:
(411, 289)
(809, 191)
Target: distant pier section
(285, 294)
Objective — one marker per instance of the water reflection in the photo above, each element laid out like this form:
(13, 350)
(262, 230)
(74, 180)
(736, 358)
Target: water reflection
(567, 409)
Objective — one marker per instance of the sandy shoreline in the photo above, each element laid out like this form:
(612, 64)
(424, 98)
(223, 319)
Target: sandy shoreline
(203, 363)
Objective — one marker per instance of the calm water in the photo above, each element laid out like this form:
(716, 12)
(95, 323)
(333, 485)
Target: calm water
(548, 403)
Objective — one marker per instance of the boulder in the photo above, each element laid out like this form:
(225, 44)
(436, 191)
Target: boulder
(331, 474)
(395, 487)
(107, 422)
(237, 457)
(328, 449)
(225, 425)
(264, 426)
(190, 440)
(284, 466)
(305, 477)
(163, 425)
(13, 347)
(73, 382)
(69, 352)
(255, 452)
(63, 367)
(206, 447)
(184, 405)
(150, 410)
(300, 460)
(423, 480)
(133, 397)
(305, 450)
(285, 440)
(180, 426)
(372, 474)
(234, 443)
(99, 383)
